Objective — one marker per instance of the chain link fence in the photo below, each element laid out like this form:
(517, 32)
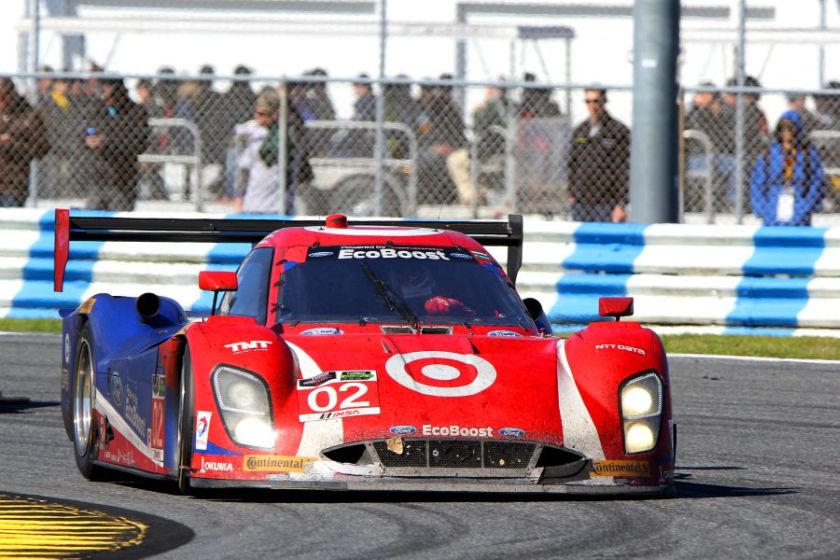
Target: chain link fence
(208, 143)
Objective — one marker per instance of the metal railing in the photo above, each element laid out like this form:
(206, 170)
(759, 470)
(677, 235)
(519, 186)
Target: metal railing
(706, 173)
(187, 160)
(408, 199)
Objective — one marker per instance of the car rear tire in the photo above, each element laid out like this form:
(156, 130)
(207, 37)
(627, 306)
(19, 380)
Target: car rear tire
(186, 421)
(85, 430)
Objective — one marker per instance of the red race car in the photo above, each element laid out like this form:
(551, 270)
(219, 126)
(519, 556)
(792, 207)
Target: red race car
(362, 355)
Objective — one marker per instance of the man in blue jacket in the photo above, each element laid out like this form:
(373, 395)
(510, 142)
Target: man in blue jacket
(787, 178)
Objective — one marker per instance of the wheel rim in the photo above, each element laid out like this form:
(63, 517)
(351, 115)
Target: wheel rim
(83, 399)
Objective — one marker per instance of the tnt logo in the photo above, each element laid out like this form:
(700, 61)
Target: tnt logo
(248, 346)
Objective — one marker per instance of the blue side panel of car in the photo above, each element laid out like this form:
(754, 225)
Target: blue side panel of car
(126, 353)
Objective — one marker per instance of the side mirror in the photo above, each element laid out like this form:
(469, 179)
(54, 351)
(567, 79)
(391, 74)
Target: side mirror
(535, 310)
(617, 307)
(217, 281)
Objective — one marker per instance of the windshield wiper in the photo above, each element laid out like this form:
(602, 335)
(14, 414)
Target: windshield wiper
(392, 299)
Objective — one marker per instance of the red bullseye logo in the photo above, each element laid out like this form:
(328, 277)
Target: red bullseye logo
(442, 374)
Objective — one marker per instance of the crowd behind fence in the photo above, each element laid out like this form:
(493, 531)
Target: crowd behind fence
(106, 142)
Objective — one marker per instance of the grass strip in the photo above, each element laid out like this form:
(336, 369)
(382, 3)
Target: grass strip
(802, 347)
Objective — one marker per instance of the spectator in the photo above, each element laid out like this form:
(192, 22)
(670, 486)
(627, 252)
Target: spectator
(493, 112)
(317, 98)
(490, 120)
(756, 127)
(45, 83)
(796, 103)
(787, 179)
(364, 108)
(537, 102)
(151, 174)
(599, 164)
(237, 105)
(401, 107)
(117, 133)
(444, 158)
(64, 128)
(214, 140)
(828, 107)
(258, 164)
(356, 142)
(23, 137)
(708, 115)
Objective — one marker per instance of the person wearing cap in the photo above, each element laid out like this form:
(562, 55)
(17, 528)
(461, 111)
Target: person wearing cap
(258, 165)
(116, 134)
(787, 178)
(23, 137)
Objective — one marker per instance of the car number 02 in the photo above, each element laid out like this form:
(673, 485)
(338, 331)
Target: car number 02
(338, 399)
(349, 401)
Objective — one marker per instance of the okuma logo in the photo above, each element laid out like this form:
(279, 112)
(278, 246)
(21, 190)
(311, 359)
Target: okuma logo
(248, 346)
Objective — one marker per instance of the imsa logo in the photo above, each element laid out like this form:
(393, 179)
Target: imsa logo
(248, 346)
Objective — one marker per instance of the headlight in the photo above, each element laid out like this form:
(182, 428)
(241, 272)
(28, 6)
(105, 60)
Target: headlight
(641, 412)
(244, 404)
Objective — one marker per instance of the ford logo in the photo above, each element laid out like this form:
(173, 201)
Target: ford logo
(402, 430)
(512, 432)
(461, 256)
(322, 331)
(503, 333)
(321, 254)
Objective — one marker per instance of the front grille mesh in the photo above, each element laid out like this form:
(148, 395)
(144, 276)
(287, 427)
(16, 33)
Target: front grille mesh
(467, 454)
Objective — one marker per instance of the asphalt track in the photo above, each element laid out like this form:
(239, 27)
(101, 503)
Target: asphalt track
(758, 471)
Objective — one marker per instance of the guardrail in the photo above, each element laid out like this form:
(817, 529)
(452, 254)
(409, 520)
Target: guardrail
(187, 160)
(733, 276)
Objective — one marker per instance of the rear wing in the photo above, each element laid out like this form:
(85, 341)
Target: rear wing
(505, 233)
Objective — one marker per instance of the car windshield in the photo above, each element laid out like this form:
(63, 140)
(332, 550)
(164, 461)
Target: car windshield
(390, 284)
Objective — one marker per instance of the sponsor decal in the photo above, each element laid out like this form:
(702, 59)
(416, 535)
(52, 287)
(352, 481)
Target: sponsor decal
(158, 411)
(455, 430)
(248, 346)
(620, 347)
(202, 429)
(503, 333)
(338, 394)
(321, 331)
(512, 432)
(474, 374)
(481, 256)
(620, 468)
(276, 463)
(115, 388)
(403, 430)
(120, 456)
(215, 466)
(131, 414)
(67, 348)
(65, 379)
(392, 253)
(319, 379)
(364, 375)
